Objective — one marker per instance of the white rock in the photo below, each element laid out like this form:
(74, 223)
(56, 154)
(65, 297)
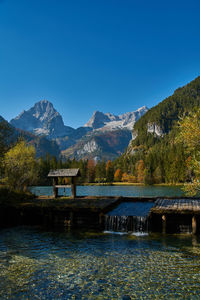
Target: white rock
(154, 129)
(108, 121)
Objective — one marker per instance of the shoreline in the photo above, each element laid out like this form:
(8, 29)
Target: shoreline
(123, 184)
(131, 184)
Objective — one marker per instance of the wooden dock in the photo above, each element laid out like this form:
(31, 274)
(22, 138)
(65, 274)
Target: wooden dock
(177, 213)
(180, 206)
(168, 215)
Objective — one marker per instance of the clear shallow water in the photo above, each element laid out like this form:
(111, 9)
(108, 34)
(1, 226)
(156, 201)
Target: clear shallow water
(49, 265)
(131, 191)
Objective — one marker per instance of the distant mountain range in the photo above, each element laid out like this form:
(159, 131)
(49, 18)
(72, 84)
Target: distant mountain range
(107, 122)
(104, 136)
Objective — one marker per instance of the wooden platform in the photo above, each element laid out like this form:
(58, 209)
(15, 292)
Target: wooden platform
(97, 203)
(180, 206)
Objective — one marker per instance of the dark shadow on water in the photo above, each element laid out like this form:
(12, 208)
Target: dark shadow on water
(38, 242)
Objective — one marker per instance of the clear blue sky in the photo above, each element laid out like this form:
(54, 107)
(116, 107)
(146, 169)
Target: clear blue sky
(85, 55)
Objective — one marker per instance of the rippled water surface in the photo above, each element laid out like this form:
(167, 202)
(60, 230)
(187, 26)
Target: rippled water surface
(128, 191)
(35, 264)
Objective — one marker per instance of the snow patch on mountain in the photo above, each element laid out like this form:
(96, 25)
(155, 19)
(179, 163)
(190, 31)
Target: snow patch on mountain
(42, 119)
(105, 135)
(108, 121)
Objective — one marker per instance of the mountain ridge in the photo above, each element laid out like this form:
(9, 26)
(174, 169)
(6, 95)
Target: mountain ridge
(100, 120)
(44, 120)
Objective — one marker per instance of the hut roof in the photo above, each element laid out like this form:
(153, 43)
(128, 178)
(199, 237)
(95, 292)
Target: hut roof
(64, 173)
(181, 206)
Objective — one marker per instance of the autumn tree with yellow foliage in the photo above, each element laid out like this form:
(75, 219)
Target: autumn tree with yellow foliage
(189, 135)
(20, 166)
(118, 175)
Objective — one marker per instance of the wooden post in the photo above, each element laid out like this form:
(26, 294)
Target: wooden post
(73, 187)
(164, 224)
(194, 225)
(101, 218)
(55, 190)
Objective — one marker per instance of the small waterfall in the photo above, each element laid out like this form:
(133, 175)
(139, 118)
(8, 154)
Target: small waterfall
(135, 224)
(141, 224)
(129, 217)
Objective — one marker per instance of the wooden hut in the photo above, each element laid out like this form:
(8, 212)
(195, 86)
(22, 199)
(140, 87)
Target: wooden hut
(64, 173)
(179, 213)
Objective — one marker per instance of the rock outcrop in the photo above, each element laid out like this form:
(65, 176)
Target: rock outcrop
(155, 129)
(42, 119)
(108, 121)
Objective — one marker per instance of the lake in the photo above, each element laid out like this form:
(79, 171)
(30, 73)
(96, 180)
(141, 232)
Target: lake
(129, 191)
(38, 264)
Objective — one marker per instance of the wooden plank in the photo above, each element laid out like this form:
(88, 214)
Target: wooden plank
(55, 190)
(184, 205)
(62, 186)
(194, 225)
(73, 187)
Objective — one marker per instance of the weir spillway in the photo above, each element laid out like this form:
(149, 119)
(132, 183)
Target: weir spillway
(129, 217)
(154, 214)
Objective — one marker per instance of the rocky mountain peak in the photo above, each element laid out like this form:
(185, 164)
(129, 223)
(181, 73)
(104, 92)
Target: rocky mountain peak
(104, 134)
(143, 108)
(109, 121)
(97, 120)
(41, 119)
(43, 110)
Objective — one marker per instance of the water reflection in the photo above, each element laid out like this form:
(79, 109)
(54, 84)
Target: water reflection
(87, 265)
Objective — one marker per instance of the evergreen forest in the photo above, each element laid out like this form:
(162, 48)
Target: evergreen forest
(150, 158)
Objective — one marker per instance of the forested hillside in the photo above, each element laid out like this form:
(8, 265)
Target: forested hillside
(166, 114)
(154, 152)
